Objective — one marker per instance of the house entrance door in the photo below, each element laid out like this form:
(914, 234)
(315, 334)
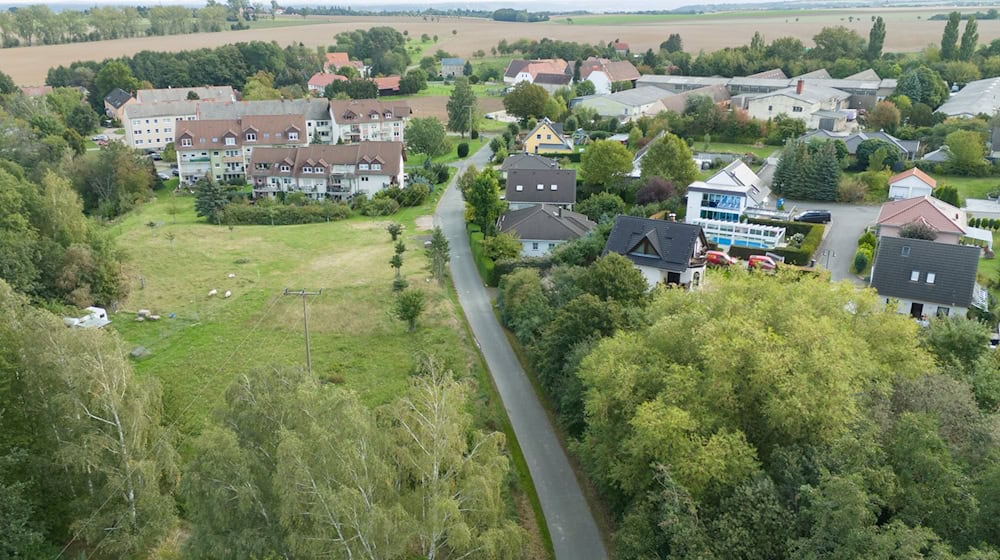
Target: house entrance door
(673, 278)
(916, 310)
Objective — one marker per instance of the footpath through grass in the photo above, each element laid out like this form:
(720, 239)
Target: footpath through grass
(354, 339)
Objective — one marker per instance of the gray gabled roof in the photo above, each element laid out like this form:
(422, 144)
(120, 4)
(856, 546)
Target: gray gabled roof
(673, 241)
(117, 98)
(553, 79)
(528, 161)
(978, 97)
(853, 140)
(954, 268)
(530, 179)
(545, 222)
(939, 155)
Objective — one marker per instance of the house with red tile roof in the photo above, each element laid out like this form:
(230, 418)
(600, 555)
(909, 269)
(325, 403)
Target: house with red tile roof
(337, 60)
(527, 70)
(911, 183)
(621, 49)
(603, 73)
(947, 222)
(387, 85)
(320, 80)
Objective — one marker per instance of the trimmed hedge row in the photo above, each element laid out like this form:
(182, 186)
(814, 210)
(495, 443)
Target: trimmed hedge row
(283, 215)
(573, 157)
(798, 256)
(483, 263)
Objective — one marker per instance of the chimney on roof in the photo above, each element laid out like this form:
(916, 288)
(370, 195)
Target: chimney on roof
(671, 217)
(559, 212)
(798, 87)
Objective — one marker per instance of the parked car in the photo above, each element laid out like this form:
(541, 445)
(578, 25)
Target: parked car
(720, 258)
(163, 176)
(175, 172)
(156, 156)
(761, 262)
(99, 137)
(814, 217)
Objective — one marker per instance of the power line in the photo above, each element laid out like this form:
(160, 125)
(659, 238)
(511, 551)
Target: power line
(305, 319)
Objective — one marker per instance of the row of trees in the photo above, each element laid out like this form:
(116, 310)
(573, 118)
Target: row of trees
(38, 24)
(230, 65)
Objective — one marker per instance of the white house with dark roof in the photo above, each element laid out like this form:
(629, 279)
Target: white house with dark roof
(525, 160)
(628, 104)
(925, 278)
(718, 203)
(527, 187)
(664, 252)
(452, 67)
(543, 227)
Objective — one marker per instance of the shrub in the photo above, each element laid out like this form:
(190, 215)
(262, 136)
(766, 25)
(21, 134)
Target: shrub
(463, 150)
(801, 255)
(413, 195)
(383, 206)
(851, 190)
(280, 214)
(860, 261)
(867, 239)
(473, 135)
(399, 284)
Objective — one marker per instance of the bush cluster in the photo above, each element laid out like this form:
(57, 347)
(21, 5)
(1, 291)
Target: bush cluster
(801, 255)
(413, 195)
(483, 263)
(283, 215)
(985, 223)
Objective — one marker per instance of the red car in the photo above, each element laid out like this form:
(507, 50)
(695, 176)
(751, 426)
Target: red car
(761, 262)
(720, 258)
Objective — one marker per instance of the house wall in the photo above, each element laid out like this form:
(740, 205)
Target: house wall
(543, 135)
(452, 70)
(900, 191)
(538, 247)
(893, 231)
(153, 132)
(774, 105)
(696, 202)
(351, 133)
(601, 81)
(903, 307)
(656, 276)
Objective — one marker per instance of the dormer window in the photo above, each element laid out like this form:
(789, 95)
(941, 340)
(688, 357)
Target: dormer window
(293, 135)
(285, 168)
(387, 115)
(376, 167)
(373, 116)
(645, 249)
(251, 136)
(230, 141)
(186, 142)
(307, 169)
(363, 166)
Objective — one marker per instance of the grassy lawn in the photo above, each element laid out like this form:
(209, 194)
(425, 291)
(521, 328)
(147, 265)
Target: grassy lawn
(741, 149)
(212, 339)
(440, 89)
(451, 156)
(970, 187)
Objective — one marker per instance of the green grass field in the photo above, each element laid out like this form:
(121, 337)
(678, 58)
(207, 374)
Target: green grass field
(212, 339)
(722, 147)
(970, 187)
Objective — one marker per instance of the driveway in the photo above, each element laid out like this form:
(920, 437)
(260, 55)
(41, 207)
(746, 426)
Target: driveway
(836, 252)
(573, 529)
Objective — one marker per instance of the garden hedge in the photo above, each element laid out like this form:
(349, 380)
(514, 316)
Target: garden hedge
(283, 215)
(483, 263)
(798, 256)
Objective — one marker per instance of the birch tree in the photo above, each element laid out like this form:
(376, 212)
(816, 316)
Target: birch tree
(456, 473)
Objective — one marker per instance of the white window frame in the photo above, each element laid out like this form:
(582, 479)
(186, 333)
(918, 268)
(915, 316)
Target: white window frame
(251, 136)
(915, 276)
(230, 141)
(285, 169)
(931, 277)
(186, 142)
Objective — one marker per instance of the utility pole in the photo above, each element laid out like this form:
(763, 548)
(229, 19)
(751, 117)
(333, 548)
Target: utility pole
(305, 319)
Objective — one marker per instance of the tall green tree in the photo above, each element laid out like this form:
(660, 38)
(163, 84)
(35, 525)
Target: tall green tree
(966, 152)
(670, 158)
(604, 163)
(970, 38)
(876, 39)
(824, 172)
(525, 101)
(461, 107)
(949, 39)
(483, 198)
(439, 254)
(425, 136)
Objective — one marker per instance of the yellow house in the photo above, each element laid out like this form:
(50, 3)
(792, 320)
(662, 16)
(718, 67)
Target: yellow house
(547, 138)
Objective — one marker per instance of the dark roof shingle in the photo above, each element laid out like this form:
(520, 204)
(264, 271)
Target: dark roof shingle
(674, 241)
(545, 222)
(530, 180)
(954, 268)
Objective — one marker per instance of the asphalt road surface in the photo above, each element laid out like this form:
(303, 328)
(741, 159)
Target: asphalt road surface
(573, 529)
(836, 252)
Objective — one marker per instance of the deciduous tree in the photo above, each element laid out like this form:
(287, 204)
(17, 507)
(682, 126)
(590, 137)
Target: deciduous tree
(526, 100)
(425, 136)
(461, 107)
(876, 39)
(604, 163)
(949, 39)
(970, 38)
(670, 158)
(483, 198)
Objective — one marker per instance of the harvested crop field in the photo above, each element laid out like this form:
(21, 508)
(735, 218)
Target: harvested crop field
(436, 106)
(907, 30)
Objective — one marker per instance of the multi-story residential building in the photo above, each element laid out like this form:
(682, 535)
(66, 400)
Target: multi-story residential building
(222, 148)
(325, 171)
(153, 125)
(362, 120)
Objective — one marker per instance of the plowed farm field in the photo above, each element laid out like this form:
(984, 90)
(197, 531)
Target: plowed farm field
(908, 29)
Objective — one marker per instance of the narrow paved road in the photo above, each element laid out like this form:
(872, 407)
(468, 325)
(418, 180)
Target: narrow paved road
(574, 532)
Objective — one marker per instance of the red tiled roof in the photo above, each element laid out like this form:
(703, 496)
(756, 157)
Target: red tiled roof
(387, 83)
(937, 214)
(914, 172)
(322, 79)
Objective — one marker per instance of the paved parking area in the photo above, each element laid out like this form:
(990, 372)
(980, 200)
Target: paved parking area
(836, 252)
